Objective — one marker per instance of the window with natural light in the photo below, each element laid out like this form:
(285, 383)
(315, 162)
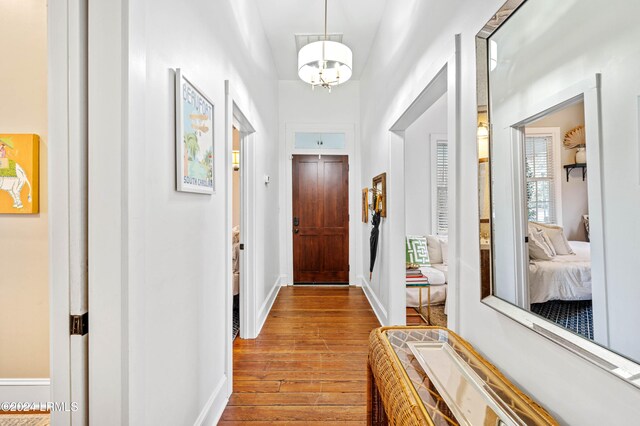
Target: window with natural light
(441, 188)
(541, 193)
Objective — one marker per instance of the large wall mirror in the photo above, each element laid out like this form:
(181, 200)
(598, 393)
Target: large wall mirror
(559, 173)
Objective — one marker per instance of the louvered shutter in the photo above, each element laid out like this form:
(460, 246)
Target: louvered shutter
(442, 182)
(539, 168)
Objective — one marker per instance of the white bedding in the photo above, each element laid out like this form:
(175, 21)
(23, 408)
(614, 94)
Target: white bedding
(565, 277)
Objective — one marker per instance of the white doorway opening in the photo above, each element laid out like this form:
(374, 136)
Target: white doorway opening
(235, 119)
(444, 81)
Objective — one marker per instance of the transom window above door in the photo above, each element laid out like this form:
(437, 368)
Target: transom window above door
(307, 140)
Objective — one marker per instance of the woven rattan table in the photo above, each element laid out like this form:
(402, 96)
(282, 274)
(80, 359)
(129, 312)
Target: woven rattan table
(401, 393)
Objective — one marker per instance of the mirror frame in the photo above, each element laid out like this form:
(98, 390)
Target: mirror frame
(616, 364)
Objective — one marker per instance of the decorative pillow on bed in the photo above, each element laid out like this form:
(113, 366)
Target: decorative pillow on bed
(548, 242)
(538, 248)
(417, 250)
(557, 237)
(433, 247)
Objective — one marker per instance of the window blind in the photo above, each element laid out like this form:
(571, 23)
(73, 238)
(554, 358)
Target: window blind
(539, 169)
(442, 182)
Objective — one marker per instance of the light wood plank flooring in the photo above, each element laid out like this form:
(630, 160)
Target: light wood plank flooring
(309, 364)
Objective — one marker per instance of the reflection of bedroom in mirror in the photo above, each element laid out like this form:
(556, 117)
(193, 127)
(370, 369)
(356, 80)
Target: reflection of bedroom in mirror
(557, 212)
(557, 174)
(236, 231)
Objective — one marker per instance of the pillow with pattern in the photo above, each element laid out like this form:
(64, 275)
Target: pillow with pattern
(417, 251)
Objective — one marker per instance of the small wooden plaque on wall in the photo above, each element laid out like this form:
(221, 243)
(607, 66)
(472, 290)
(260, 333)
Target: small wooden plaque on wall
(365, 205)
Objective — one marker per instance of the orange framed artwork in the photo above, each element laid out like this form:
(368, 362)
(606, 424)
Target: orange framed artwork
(19, 173)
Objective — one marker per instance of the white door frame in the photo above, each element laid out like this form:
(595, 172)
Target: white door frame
(68, 108)
(354, 196)
(235, 116)
(445, 79)
(520, 216)
(116, 102)
(589, 91)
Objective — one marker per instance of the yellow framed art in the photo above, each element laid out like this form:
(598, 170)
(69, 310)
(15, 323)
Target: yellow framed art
(19, 173)
(379, 187)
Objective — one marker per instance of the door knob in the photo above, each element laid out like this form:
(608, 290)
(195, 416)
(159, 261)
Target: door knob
(296, 231)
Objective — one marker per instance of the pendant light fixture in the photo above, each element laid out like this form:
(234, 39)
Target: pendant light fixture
(325, 63)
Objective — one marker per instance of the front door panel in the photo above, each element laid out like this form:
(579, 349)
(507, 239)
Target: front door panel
(321, 219)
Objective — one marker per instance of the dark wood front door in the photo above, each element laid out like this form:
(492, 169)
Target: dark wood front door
(320, 219)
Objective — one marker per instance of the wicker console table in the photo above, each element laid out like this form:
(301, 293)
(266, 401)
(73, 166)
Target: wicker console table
(401, 393)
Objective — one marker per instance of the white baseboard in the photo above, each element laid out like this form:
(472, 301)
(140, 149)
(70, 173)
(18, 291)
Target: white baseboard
(213, 409)
(284, 280)
(377, 307)
(25, 390)
(263, 313)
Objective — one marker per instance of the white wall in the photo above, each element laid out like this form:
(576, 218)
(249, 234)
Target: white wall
(417, 161)
(299, 104)
(414, 40)
(24, 271)
(301, 107)
(174, 333)
(574, 192)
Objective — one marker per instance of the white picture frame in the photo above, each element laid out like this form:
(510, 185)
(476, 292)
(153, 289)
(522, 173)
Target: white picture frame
(195, 170)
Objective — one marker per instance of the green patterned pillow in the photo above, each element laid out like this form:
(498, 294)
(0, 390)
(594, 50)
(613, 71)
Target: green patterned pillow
(417, 250)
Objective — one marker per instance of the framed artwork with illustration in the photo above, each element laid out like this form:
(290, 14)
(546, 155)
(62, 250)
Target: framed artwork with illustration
(379, 190)
(19, 174)
(194, 138)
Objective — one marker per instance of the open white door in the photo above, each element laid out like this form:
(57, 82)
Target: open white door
(68, 210)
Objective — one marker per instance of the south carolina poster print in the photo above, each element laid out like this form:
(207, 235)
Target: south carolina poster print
(194, 138)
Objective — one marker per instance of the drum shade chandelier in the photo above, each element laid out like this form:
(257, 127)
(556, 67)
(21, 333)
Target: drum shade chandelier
(325, 63)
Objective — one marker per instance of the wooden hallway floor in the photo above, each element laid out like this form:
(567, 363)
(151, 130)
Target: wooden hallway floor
(309, 364)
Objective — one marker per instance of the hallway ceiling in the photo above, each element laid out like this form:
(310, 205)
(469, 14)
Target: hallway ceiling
(358, 20)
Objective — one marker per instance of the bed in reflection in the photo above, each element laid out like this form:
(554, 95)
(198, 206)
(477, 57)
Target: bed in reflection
(563, 277)
(560, 278)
